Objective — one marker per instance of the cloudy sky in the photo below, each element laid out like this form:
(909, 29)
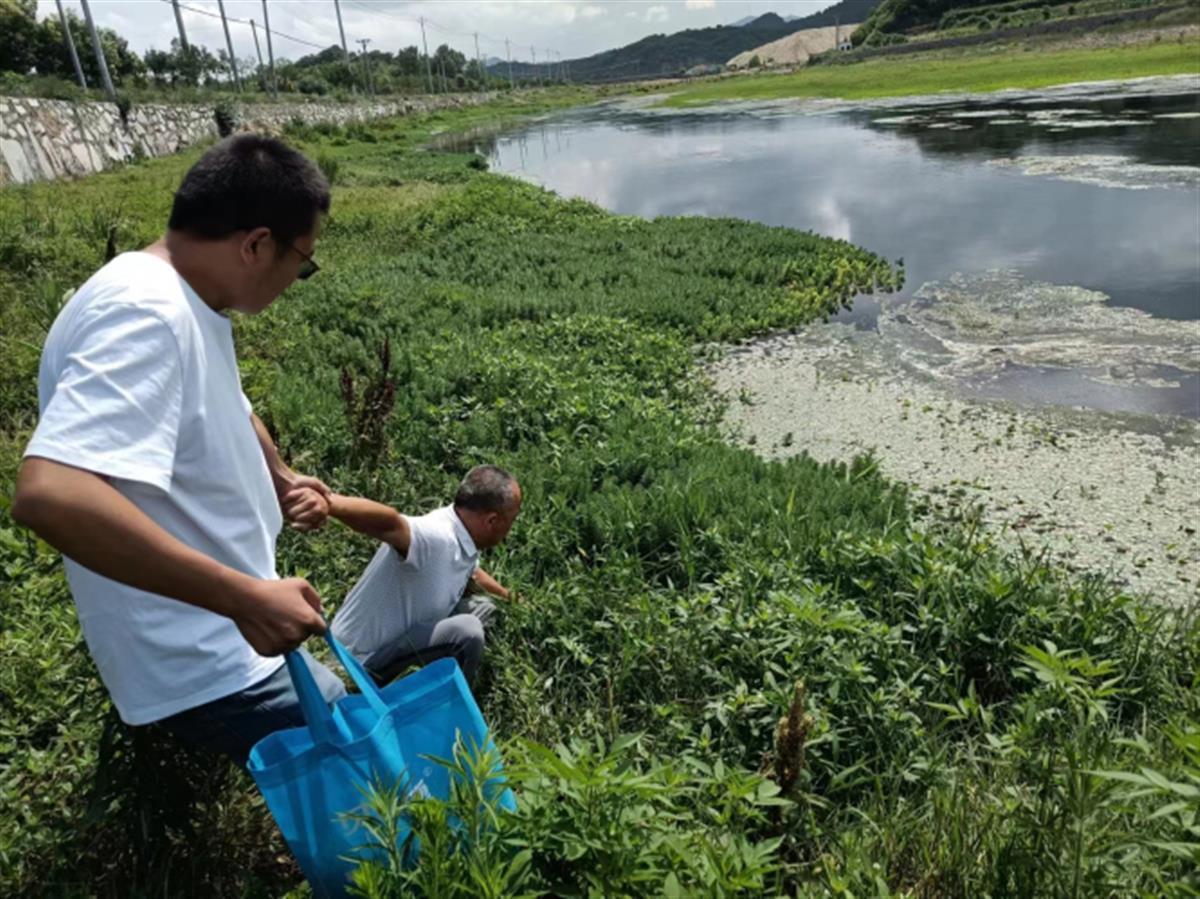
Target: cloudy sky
(572, 29)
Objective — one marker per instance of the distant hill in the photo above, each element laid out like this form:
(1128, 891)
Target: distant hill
(895, 21)
(894, 16)
(668, 54)
(844, 12)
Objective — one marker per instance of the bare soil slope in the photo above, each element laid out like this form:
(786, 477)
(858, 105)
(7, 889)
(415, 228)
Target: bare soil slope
(794, 49)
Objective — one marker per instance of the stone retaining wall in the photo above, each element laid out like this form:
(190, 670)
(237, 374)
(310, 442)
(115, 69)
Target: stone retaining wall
(47, 139)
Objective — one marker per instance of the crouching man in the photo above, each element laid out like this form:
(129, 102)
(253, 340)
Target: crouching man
(412, 604)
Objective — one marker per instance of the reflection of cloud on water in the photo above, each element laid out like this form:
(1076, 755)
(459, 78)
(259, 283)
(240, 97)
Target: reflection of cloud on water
(1107, 171)
(834, 222)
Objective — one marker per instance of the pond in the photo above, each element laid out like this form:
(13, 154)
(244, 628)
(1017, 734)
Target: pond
(1051, 240)
(1041, 367)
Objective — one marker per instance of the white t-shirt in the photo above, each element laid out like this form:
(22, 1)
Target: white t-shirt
(138, 382)
(397, 592)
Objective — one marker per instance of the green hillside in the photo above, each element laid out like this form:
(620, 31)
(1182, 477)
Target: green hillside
(670, 54)
(894, 21)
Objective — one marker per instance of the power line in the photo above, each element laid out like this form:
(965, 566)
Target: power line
(382, 12)
(274, 31)
(536, 74)
(432, 23)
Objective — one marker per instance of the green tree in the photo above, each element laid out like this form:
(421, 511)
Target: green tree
(52, 56)
(451, 60)
(18, 35)
(124, 65)
(409, 61)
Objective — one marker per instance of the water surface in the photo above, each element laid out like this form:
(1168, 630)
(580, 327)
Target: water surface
(1044, 195)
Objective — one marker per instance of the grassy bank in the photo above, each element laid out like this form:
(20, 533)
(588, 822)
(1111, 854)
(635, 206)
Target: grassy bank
(949, 713)
(986, 69)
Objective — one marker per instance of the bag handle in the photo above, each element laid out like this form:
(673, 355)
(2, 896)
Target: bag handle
(312, 703)
(358, 674)
(325, 723)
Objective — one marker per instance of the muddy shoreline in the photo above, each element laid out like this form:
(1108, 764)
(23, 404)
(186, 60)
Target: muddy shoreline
(1111, 494)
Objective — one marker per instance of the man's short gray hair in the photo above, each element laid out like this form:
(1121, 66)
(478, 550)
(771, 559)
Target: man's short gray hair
(486, 488)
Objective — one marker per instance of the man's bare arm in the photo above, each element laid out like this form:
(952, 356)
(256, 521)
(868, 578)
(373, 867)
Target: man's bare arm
(489, 584)
(303, 499)
(83, 516)
(372, 519)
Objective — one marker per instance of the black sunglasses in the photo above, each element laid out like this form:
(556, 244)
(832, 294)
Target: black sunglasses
(309, 268)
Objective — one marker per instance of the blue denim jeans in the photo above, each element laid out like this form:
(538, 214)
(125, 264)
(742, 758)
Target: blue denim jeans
(233, 724)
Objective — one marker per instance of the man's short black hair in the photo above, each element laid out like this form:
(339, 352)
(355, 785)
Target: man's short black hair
(250, 181)
(486, 488)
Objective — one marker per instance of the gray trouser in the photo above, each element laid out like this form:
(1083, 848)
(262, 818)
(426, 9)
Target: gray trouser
(460, 635)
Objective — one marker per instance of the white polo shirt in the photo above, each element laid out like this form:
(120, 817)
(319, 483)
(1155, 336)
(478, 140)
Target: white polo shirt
(138, 382)
(397, 592)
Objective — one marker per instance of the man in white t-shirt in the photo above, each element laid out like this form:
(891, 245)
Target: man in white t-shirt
(150, 472)
(411, 605)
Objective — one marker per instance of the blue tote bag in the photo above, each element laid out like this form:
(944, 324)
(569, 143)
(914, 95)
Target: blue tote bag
(312, 777)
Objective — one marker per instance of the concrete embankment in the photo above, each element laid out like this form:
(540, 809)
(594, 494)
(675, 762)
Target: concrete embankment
(41, 140)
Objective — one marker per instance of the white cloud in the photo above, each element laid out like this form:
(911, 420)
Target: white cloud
(575, 28)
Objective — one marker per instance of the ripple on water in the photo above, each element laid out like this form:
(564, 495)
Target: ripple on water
(1107, 171)
(976, 325)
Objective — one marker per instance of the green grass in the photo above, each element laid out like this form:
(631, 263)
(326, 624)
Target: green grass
(977, 71)
(970, 722)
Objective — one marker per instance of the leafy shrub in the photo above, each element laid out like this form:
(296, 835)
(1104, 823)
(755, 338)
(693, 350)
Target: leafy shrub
(317, 87)
(593, 819)
(330, 166)
(225, 114)
(124, 105)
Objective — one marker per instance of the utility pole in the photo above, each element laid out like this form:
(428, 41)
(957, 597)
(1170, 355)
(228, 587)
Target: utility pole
(105, 78)
(366, 64)
(237, 80)
(425, 47)
(183, 41)
(508, 54)
(262, 78)
(479, 62)
(62, 17)
(337, 7)
(270, 50)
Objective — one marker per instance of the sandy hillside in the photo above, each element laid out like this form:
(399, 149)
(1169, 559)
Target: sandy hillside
(795, 49)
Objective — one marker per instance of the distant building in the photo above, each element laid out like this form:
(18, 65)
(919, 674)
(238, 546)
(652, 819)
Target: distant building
(842, 37)
(706, 68)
